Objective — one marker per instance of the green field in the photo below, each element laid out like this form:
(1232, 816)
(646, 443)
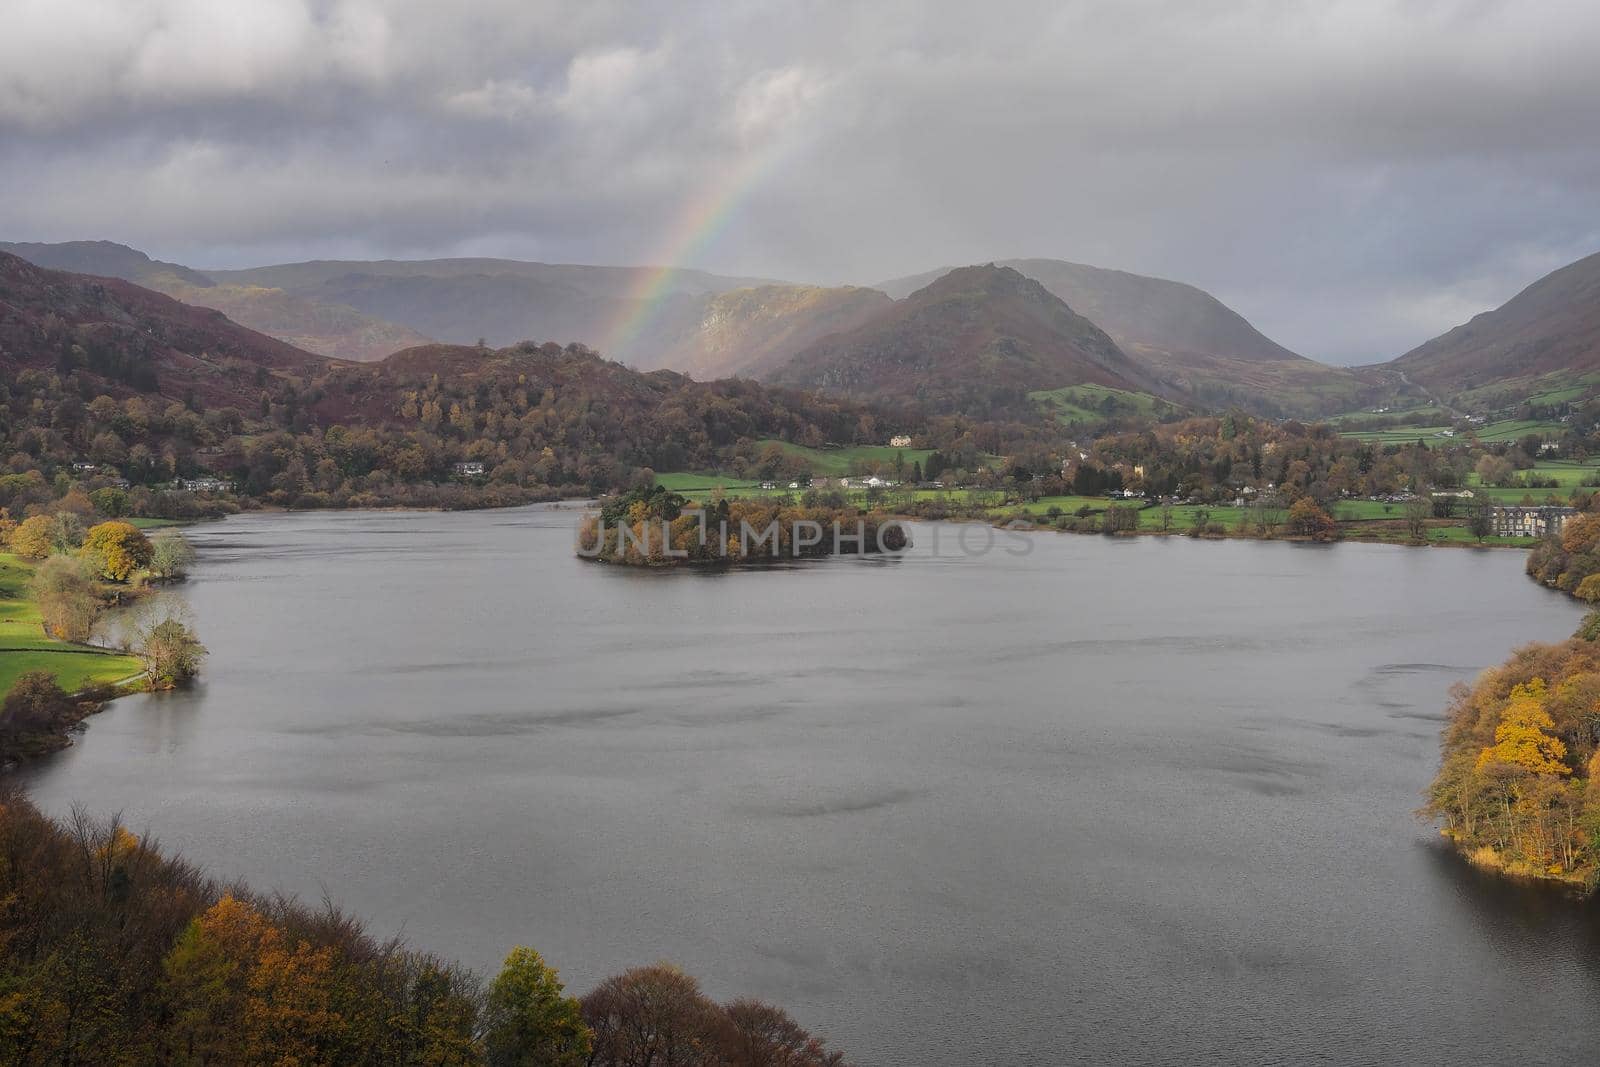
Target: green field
(1516, 429)
(24, 647)
(839, 462)
(1066, 505)
(154, 524)
(1401, 435)
(1089, 405)
(1434, 414)
(1364, 510)
(1570, 474)
(685, 482)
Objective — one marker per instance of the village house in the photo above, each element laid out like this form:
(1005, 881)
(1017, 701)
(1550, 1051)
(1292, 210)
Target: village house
(1542, 521)
(468, 469)
(900, 440)
(206, 485)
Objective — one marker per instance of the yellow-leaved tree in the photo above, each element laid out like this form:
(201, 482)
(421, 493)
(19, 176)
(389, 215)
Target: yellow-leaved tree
(1522, 739)
(117, 549)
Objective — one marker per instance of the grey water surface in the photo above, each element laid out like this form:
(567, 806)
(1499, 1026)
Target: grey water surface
(1139, 801)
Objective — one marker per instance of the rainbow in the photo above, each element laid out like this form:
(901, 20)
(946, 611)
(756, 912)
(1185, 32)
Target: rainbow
(704, 218)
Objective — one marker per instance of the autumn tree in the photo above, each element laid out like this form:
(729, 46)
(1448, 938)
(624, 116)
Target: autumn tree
(1495, 470)
(531, 1021)
(35, 704)
(1419, 510)
(1307, 519)
(117, 549)
(1480, 519)
(110, 501)
(170, 649)
(1522, 739)
(1120, 518)
(240, 986)
(63, 589)
(1581, 535)
(34, 537)
(766, 1036)
(171, 556)
(653, 1015)
(66, 531)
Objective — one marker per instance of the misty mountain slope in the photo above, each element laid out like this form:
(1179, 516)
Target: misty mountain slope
(106, 259)
(503, 301)
(1190, 341)
(328, 329)
(585, 278)
(127, 339)
(1550, 330)
(976, 341)
(753, 332)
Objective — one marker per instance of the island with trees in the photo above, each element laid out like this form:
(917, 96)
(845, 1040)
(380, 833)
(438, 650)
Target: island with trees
(654, 527)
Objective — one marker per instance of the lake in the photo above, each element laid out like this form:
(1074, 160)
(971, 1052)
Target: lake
(1137, 801)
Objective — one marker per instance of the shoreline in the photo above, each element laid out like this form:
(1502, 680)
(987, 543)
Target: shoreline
(1489, 861)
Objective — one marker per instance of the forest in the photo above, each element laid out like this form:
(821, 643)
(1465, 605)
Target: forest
(1571, 562)
(541, 421)
(113, 953)
(1518, 788)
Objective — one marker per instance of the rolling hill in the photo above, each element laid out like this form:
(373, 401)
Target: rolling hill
(1543, 341)
(319, 326)
(977, 341)
(1188, 340)
(127, 339)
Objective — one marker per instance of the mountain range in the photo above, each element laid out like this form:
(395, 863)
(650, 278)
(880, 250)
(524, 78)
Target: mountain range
(976, 340)
(93, 335)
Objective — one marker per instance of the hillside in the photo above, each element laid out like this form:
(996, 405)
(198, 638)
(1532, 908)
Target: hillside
(322, 327)
(1544, 340)
(150, 389)
(503, 301)
(106, 259)
(752, 332)
(1184, 337)
(126, 339)
(976, 341)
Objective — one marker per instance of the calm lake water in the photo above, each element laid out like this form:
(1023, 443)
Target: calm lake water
(1139, 801)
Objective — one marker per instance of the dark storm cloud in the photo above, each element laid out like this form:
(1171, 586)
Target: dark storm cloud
(1353, 176)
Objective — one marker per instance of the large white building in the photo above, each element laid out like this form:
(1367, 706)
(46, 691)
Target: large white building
(1538, 521)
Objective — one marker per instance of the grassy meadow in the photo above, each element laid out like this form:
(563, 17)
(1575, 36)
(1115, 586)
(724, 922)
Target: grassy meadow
(24, 646)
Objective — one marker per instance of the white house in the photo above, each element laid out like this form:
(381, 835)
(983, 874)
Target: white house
(206, 485)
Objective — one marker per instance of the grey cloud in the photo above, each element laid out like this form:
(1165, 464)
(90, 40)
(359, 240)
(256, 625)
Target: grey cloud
(1354, 177)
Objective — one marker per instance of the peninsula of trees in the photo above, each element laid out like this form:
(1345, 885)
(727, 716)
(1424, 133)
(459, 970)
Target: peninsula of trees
(1518, 788)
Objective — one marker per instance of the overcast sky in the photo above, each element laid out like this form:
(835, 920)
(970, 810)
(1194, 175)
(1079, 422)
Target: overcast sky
(1353, 177)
